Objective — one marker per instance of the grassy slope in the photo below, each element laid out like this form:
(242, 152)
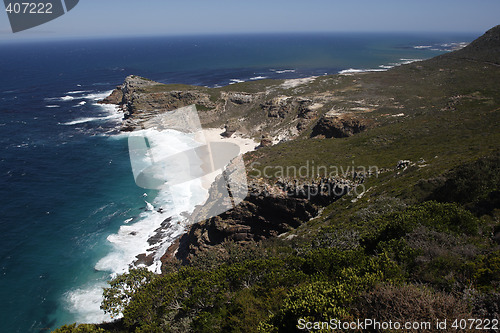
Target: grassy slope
(444, 137)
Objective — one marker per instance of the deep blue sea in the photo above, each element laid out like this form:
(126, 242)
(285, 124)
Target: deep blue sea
(65, 177)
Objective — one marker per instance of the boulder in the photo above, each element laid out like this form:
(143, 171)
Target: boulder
(339, 126)
(230, 129)
(266, 141)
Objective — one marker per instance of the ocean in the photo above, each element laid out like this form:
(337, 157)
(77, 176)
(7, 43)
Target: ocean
(71, 214)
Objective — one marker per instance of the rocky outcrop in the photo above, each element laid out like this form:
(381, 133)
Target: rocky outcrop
(241, 98)
(339, 126)
(266, 141)
(267, 211)
(141, 99)
(116, 97)
(281, 106)
(278, 112)
(230, 128)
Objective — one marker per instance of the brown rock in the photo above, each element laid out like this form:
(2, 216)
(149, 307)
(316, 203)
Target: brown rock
(268, 210)
(339, 126)
(230, 129)
(266, 141)
(116, 97)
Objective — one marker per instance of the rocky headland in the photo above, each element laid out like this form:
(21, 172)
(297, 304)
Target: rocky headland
(274, 111)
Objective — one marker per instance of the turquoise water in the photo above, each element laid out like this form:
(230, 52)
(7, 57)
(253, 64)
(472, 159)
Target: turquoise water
(65, 177)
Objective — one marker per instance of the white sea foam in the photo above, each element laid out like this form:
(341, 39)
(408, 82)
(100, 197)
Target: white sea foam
(258, 78)
(80, 104)
(445, 47)
(81, 121)
(284, 71)
(90, 119)
(149, 206)
(111, 112)
(70, 96)
(132, 237)
(52, 106)
(110, 109)
(382, 68)
(354, 70)
(76, 92)
(86, 302)
(233, 81)
(97, 96)
(405, 61)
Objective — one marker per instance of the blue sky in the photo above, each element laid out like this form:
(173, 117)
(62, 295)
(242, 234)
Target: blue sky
(166, 17)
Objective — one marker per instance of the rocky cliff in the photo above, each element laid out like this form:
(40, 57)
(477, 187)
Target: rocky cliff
(270, 209)
(276, 110)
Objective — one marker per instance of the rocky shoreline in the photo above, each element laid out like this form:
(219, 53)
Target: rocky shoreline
(269, 111)
(272, 207)
(282, 111)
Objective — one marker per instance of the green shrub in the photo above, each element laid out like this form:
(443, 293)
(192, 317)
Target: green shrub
(485, 271)
(319, 301)
(122, 289)
(472, 185)
(443, 217)
(82, 328)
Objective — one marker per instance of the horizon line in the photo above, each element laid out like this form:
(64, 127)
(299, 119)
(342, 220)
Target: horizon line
(45, 38)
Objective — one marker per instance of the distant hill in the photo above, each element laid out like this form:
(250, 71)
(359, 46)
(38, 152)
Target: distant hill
(486, 48)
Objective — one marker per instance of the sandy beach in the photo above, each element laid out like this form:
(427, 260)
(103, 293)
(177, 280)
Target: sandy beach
(211, 135)
(214, 135)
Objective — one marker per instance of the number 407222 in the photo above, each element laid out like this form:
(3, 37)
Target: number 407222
(29, 8)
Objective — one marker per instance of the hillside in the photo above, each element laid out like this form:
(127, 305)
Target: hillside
(416, 237)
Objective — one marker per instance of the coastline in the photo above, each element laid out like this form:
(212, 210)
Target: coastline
(290, 230)
(88, 218)
(131, 96)
(173, 227)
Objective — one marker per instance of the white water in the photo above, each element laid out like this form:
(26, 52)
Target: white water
(382, 68)
(132, 238)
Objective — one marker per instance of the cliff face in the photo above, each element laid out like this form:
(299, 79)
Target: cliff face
(333, 125)
(140, 101)
(268, 211)
(277, 110)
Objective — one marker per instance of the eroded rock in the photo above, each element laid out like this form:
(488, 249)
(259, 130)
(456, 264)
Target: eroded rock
(339, 126)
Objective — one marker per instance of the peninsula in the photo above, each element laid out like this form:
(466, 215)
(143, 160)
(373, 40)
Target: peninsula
(396, 215)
